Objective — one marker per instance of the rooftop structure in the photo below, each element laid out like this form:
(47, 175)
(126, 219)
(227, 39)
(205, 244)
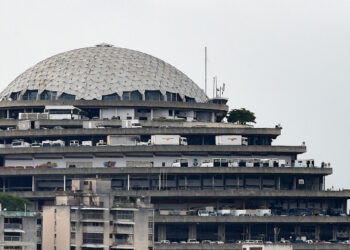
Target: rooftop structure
(146, 131)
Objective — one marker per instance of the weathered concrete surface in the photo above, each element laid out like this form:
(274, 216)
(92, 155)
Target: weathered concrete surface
(127, 131)
(239, 246)
(103, 103)
(252, 219)
(163, 170)
(161, 148)
(208, 194)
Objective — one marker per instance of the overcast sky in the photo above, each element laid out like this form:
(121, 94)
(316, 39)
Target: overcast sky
(287, 61)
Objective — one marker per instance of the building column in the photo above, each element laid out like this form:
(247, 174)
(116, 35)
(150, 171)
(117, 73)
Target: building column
(260, 182)
(334, 231)
(192, 231)
(297, 230)
(7, 113)
(294, 183)
(222, 232)
(278, 182)
(64, 183)
(33, 183)
(161, 232)
(151, 114)
(128, 183)
(317, 232)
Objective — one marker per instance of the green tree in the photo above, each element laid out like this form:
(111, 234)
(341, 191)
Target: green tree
(241, 116)
(13, 203)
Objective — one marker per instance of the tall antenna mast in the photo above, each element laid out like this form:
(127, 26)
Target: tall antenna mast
(205, 51)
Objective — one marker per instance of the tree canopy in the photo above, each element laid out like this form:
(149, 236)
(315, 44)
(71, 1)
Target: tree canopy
(241, 116)
(12, 203)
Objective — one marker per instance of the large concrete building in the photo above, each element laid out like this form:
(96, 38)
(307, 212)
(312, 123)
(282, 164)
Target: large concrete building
(130, 120)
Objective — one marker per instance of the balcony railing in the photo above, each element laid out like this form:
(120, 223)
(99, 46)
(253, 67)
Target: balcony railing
(93, 241)
(12, 238)
(19, 213)
(124, 242)
(13, 226)
(93, 216)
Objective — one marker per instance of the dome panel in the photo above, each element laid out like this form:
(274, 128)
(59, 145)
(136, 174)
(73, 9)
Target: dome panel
(89, 73)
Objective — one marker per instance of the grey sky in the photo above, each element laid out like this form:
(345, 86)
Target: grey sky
(288, 61)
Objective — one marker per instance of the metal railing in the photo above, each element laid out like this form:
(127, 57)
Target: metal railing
(20, 213)
(13, 226)
(93, 216)
(12, 238)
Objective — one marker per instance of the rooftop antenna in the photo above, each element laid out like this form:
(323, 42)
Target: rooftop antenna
(205, 52)
(215, 80)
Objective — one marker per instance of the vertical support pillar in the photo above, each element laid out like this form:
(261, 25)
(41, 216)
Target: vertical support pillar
(260, 182)
(212, 117)
(237, 181)
(161, 232)
(297, 230)
(7, 113)
(334, 231)
(64, 183)
(185, 182)
(317, 232)
(249, 231)
(33, 183)
(278, 182)
(151, 114)
(222, 232)
(128, 183)
(159, 181)
(192, 231)
(294, 183)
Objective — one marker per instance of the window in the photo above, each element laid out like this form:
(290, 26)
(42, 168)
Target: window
(14, 96)
(111, 97)
(132, 96)
(93, 238)
(135, 96)
(126, 215)
(65, 96)
(189, 99)
(48, 95)
(173, 97)
(30, 95)
(153, 96)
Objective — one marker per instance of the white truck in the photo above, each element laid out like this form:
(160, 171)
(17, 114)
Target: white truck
(231, 140)
(46, 143)
(20, 144)
(74, 143)
(180, 163)
(131, 124)
(122, 140)
(58, 143)
(167, 140)
(86, 143)
(263, 212)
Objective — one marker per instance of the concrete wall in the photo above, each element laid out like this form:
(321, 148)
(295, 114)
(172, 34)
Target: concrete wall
(141, 229)
(62, 227)
(48, 233)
